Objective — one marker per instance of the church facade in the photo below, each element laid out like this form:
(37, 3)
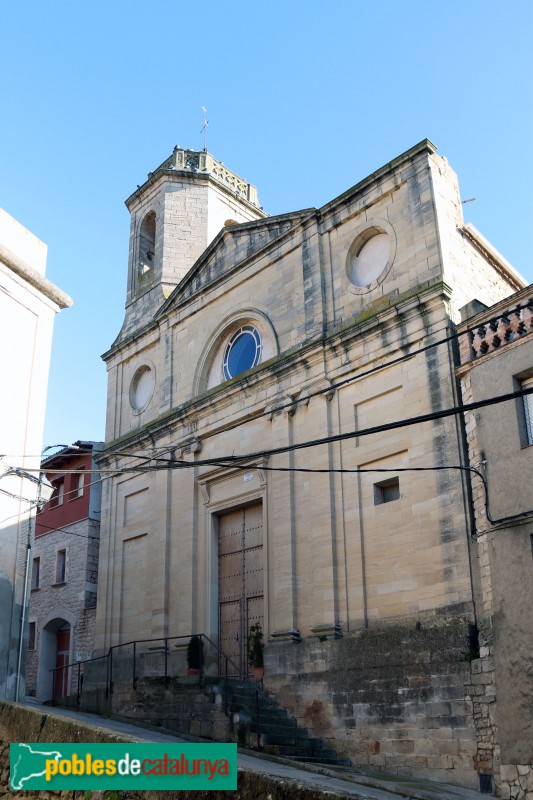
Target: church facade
(257, 356)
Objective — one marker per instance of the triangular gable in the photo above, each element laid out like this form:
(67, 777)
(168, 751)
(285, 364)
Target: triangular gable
(230, 249)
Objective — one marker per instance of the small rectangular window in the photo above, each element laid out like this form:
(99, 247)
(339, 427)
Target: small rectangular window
(81, 484)
(61, 565)
(35, 573)
(386, 491)
(528, 409)
(31, 636)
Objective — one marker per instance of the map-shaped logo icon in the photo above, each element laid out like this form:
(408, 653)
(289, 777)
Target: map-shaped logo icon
(28, 763)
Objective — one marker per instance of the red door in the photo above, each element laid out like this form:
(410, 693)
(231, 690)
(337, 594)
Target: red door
(63, 650)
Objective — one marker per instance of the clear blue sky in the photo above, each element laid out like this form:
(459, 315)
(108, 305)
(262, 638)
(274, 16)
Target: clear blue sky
(304, 99)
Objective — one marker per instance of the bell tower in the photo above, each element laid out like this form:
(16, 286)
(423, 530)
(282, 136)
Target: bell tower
(175, 215)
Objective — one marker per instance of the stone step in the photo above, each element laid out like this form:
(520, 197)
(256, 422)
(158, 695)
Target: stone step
(284, 740)
(321, 759)
(298, 737)
(318, 755)
(267, 715)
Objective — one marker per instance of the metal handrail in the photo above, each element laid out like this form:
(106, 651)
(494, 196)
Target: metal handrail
(241, 674)
(222, 656)
(79, 677)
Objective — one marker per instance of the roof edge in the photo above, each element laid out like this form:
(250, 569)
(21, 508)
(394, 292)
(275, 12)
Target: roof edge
(425, 146)
(478, 240)
(34, 278)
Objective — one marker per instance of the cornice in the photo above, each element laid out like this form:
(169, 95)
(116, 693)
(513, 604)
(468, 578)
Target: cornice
(276, 369)
(34, 278)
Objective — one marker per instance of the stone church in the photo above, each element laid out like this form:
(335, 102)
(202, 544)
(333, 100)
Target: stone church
(256, 353)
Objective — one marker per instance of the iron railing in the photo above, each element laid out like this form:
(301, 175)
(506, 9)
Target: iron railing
(75, 667)
(210, 656)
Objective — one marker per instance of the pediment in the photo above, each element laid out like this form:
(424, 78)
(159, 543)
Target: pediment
(231, 249)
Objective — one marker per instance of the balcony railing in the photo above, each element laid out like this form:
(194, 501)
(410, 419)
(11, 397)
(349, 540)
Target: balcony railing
(497, 331)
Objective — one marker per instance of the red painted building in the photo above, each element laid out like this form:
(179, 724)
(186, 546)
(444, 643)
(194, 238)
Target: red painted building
(72, 490)
(64, 572)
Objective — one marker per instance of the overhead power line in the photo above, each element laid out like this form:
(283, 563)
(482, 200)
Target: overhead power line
(235, 458)
(334, 386)
(338, 437)
(62, 529)
(324, 390)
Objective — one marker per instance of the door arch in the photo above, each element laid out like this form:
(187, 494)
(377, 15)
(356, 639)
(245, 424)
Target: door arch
(55, 651)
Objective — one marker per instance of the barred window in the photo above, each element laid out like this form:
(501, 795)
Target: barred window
(528, 409)
(35, 573)
(31, 636)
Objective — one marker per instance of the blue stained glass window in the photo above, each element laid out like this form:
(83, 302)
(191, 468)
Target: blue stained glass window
(242, 352)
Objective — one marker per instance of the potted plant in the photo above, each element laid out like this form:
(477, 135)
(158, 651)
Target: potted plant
(194, 655)
(254, 649)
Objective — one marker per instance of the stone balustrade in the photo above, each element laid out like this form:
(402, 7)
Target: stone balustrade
(203, 162)
(497, 331)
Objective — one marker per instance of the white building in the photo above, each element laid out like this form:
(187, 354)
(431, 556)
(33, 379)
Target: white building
(28, 304)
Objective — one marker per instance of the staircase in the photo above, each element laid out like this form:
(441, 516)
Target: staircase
(264, 725)
(152, 686)
(241, 714)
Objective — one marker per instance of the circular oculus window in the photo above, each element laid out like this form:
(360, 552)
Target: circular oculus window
(242, 351)
(370, 260)
(142, 388)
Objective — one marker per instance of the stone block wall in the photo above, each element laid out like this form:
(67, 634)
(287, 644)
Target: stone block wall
(495, 355)
(393, 698)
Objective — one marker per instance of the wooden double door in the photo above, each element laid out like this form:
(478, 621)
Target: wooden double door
(240, 581)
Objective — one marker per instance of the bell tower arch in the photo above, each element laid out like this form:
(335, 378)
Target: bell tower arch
(175, 215)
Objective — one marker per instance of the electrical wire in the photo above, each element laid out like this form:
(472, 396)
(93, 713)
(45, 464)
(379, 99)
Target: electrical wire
(352, 471)
(339, 437)
(86, 486)
(32, 502)
(233, 459)
(17, 496)
(332, 387)
(435, 415)
(63, 529)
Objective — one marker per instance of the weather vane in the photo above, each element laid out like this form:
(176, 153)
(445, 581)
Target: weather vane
(204, 129)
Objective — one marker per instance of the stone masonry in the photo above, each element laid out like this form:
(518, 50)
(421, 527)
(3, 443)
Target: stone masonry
(74, 599)
(392, 698)
(496, 349)
(268, 494)
(64, 572)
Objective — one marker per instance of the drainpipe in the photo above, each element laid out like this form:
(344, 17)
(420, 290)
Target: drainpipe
(23, 615)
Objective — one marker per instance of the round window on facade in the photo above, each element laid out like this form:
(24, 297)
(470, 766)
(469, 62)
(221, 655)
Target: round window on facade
(142, 388)
(369, 257)
(242, 352)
